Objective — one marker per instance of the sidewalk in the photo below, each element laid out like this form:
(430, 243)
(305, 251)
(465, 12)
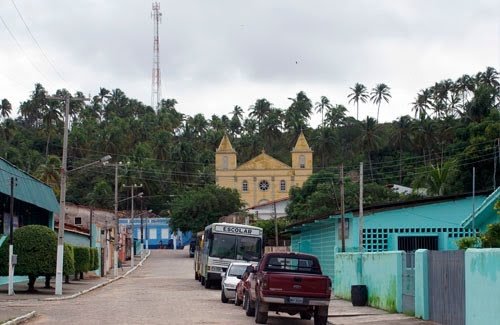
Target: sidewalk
(343, 312)
(22, 297)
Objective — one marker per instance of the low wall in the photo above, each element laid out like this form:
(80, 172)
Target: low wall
(380, 272)
(482, 286)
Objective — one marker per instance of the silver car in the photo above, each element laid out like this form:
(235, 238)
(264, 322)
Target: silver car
(230, 279)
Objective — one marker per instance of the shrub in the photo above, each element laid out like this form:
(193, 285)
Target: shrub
(82, 259)
(36, 249)
(492, 236)
(69, 260)
(95, 259)
(469, 242)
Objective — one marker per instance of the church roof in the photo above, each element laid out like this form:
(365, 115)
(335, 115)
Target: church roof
(225, 145)
(301, 145)
(263, 162)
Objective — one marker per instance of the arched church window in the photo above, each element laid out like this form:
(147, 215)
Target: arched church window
(302, 161)
(225, 162)
(282, 185)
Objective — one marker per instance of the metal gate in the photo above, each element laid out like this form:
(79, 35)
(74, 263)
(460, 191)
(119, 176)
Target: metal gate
(447, 287)
(409, 283)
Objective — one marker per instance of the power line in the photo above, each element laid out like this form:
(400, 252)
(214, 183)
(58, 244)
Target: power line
(36, 42)
(22, 50)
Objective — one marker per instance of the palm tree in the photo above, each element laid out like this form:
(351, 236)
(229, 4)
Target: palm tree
(464, 85)
(237, 112)
(422, 103)
(402, 128)
(49, 172)
(298, 113)
(488, 77)
(369, 139)
(321, 105)
(335, 115)
(5, 108)
(380, 92)
(359, 93)
(260, 109)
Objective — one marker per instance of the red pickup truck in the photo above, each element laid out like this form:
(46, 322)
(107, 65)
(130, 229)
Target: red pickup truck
(291, 283)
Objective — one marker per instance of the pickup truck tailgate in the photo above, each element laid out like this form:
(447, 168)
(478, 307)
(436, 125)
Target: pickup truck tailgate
(297, 284)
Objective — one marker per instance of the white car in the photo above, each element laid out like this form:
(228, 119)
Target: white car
(230, 279)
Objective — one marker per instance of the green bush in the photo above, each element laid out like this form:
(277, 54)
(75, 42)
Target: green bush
(95, 259)
(36, 249)
(469, 242)
(82, 259)
(492, 236)
(69, 260)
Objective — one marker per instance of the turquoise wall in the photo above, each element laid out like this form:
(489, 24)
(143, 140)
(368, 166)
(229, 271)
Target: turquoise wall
(384, 288)
(482, 286)
(76, 239)
(422, 284)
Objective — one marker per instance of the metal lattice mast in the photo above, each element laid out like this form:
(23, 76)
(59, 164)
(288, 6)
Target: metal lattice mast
(156, 76)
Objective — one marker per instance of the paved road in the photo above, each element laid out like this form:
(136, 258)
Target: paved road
(163, 291)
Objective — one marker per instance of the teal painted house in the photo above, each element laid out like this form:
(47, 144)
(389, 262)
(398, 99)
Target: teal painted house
(485, 214)
(34, 202)
(431, 223)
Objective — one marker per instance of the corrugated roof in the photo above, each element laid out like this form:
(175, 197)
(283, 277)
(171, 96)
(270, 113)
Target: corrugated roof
(28, 189)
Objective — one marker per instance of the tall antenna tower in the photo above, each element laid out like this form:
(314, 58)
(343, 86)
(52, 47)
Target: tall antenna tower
(156, 76)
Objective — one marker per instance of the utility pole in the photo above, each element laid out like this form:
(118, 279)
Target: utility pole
(342, 211)
(132, 221)
(12, 259)
(361, 207)
(62, 200)
(90, 225)
(474, 200)
(156, 77)
(117, 225)
(142, 228)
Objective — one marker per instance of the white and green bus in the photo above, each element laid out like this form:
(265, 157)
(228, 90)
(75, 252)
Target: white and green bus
(224, 243)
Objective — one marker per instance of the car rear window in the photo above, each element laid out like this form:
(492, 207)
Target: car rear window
(293, 264)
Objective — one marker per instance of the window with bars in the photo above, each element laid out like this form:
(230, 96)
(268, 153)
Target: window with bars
(282, 185)
(244, 186)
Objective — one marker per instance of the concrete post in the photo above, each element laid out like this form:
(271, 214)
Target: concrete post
(422, 284)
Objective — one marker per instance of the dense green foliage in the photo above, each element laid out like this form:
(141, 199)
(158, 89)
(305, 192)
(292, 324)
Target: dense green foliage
(82, 259)
(491, 237)
(469, 242)
(268, 227)
(453, 128)
(36, 250)
(94, 253)
(68, 260)
(195, 209)
(320, 195)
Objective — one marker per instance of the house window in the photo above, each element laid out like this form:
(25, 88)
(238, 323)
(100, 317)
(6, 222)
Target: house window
(152, 233)
(164, 233)
(225, 162)
(282, 186)
(302, 161)
(412, 243)
(264, 185)
(78, 220)
(244, 186)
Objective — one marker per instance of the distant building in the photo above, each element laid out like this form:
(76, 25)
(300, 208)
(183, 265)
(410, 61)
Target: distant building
(262, 179)
(267, 210)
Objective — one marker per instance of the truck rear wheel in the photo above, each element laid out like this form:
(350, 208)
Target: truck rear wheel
(320, 315)
(260, 316)
(196, 275)
(208, 283)
(202, 280)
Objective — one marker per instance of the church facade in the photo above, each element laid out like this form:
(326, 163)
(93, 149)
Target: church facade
(262, 179)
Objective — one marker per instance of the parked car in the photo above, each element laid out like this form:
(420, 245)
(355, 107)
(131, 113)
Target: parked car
(230, 279)
(289, 282)
(242, 286)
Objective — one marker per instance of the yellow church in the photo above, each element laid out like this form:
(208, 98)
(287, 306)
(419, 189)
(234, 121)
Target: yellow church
(262, 179)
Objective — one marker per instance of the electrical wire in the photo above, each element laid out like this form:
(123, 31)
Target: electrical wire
(36, 42)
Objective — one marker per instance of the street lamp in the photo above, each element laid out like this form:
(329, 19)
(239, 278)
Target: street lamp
(62, 214)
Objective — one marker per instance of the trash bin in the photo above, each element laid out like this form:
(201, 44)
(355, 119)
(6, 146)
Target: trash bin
(359, 295)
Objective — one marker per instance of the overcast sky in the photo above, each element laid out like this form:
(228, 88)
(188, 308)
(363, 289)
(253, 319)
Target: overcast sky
(217, 54)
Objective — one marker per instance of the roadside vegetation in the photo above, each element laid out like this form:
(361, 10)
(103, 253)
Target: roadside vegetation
(452, 126)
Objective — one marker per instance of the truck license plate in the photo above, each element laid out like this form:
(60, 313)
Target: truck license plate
(296, 300)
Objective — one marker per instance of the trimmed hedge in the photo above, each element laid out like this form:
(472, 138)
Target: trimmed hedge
(69, 260)
(95, 258)
(82, 259)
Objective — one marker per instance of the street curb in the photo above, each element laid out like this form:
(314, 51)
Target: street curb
(20, 319)
(98, 285)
